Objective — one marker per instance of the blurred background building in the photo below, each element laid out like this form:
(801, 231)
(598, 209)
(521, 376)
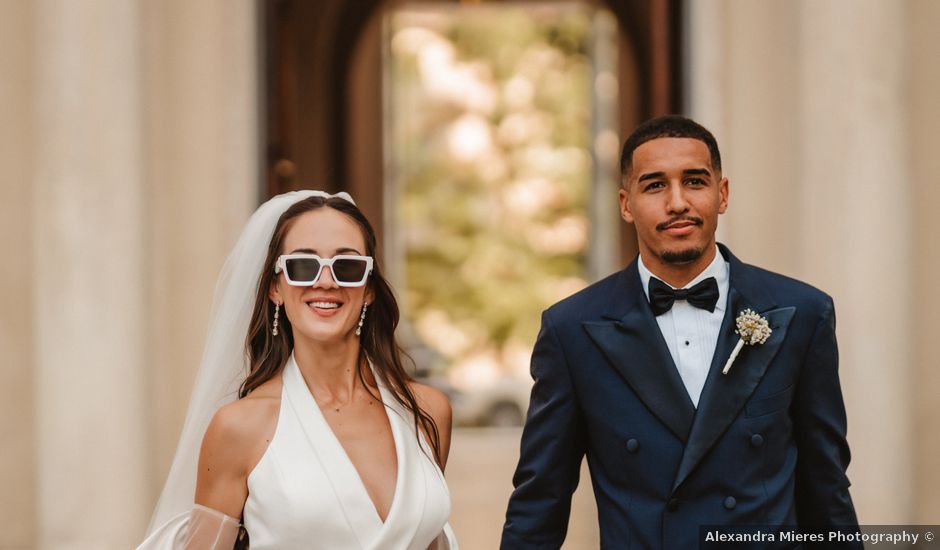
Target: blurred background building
(481, 138)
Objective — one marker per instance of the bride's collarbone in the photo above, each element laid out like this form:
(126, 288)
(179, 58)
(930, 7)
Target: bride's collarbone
(362, 417)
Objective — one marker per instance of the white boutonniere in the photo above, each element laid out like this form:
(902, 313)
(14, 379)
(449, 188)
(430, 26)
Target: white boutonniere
(753, 329)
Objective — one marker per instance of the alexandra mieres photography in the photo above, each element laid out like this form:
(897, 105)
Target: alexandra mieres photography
(469, 274)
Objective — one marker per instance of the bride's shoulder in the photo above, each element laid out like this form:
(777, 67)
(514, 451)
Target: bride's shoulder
(432, 400)
(435, 403)
(244, 427)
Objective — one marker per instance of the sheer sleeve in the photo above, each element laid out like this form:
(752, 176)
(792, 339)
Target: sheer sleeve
(210, 530)
(201, 528)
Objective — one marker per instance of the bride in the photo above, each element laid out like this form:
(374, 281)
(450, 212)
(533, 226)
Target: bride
(330, 443)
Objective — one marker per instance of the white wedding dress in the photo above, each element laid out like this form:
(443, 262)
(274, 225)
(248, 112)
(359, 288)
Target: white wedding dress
(305, 493)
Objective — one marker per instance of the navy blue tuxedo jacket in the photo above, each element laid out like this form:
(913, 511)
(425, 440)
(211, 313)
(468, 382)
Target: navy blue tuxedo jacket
(765, 446)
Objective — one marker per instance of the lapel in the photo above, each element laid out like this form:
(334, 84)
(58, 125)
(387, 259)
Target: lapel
(723, 396)
(631, 341)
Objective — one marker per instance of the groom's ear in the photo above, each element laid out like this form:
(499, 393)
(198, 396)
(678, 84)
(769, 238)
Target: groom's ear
(625, 203)
(723, 191)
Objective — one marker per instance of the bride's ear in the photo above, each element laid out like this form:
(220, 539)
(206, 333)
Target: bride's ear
(369, 295)
(273, 294)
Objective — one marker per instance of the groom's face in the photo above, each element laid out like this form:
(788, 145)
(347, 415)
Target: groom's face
(673, 196)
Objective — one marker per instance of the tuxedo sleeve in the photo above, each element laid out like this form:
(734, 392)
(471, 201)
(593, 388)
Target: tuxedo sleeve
(822, 487)
(553, 445)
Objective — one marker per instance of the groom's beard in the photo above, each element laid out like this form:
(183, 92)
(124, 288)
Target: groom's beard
(681, 256)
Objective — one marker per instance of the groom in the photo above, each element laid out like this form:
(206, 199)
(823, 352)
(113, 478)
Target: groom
(634, 373)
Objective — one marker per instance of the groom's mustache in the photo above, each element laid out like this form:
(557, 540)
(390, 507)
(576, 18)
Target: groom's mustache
(692, 219)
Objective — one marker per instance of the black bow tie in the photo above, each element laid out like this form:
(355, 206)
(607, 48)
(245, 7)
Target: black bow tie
(704, 295)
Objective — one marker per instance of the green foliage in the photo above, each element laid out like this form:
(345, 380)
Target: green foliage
(491, 137)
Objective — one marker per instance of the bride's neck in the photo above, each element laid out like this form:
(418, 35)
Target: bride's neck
(330, 370)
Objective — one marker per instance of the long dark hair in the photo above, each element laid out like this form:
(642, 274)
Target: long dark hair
(267, 354)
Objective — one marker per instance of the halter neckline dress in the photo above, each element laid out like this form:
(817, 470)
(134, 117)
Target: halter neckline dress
(305, 492)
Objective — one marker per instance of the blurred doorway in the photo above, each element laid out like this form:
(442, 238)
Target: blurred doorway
(500, 154)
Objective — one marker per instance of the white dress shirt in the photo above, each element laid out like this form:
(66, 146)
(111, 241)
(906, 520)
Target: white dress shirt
(691, 333)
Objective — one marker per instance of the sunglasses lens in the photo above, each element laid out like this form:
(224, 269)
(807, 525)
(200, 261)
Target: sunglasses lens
(302, 270)
(347, 270)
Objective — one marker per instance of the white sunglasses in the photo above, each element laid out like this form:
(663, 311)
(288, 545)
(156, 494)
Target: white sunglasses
(305, 269)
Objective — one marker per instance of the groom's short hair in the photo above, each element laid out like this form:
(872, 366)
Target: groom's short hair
(674, 126)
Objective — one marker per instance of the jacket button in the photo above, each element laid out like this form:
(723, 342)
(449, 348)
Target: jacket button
(730, 503)
(757, 440)
(633, 445)
(672, 505)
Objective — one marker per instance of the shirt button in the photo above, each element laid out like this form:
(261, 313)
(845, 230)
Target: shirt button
(672, 505)
(633, 445)
(730, 503)
(757, 440)
(687, 342)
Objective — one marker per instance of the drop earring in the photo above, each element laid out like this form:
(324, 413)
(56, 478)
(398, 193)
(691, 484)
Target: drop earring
(362, 319)
(277, 311)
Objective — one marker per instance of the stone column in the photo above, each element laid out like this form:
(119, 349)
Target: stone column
(924, 118)
(706, 66)
(202, 143)
(17, 459)
(89, 275)
(854, 228)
